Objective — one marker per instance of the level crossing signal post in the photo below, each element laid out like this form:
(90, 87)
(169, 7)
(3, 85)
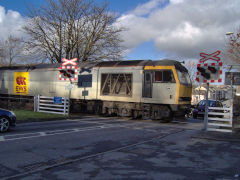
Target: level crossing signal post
(68, 72)
(209, 72)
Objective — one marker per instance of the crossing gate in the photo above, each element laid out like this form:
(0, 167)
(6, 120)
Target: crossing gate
(220, 119)
(48, 105)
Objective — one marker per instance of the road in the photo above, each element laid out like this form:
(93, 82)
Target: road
(115, 148)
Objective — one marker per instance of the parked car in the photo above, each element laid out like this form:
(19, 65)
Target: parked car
(199, 109)
(7, 120)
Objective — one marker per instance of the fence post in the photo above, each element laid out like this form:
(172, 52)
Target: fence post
(34, 103)
(65, 105)
(68, 105)
(38, 102)
(231, 114)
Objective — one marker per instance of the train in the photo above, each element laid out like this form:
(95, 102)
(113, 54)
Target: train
(158, 90)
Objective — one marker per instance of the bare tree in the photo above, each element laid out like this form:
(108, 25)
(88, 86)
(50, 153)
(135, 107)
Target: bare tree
(14, 51)
(2, 55)
(192, 70)
(10, 50)
(74, 28)
(233, 47)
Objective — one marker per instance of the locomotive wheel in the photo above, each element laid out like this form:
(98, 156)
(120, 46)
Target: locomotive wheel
(162, 113)
(124, 112)
(135, 114)
(145, 115)
(114, 112)
(106, 111)
(157, 115)
(155, 112)
(167, 114)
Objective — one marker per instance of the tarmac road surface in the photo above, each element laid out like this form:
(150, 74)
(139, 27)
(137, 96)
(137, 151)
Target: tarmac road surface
(116, 148)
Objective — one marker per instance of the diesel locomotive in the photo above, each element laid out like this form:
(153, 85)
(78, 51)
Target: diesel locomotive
(140, 88)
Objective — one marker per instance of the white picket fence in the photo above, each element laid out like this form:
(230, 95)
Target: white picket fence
(47, 104)
(220, 121)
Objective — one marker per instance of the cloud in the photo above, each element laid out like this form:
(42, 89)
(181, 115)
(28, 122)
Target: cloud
(146, 7)
(11, 22)
(181, 28)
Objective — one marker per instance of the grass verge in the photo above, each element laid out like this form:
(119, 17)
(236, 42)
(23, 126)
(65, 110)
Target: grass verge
(24, 115)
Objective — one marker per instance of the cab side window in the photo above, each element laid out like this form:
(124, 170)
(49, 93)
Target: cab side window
(164, 76)
(158, 76)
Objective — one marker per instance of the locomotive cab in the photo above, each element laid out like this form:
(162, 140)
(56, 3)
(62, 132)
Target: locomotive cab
(167, 89)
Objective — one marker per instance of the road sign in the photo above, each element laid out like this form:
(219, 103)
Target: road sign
(57, 100)
(69, 86)
(69, 61)
(213, 56)
(85, 93)
(210, 72)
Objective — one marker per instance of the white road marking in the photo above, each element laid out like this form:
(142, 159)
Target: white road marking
(85, 121)
(67, 131)
(49, 133)
(55, 132)
(2, 138)
(42, 133)
(66, 120)
(106, 123)
(12, 135)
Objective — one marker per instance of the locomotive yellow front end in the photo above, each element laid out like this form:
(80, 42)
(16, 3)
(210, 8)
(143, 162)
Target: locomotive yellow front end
(184, 88)
(183, 93)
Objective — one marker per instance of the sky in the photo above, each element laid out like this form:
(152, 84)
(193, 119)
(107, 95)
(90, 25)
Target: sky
(156, 29)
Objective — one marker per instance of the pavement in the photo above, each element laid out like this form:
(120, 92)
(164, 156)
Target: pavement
(218, 136)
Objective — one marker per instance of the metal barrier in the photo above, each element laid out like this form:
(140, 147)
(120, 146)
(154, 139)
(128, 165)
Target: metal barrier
(50, 105)
(220, 119)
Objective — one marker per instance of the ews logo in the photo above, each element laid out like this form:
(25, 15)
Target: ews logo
(21, 83)
(21, 80)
